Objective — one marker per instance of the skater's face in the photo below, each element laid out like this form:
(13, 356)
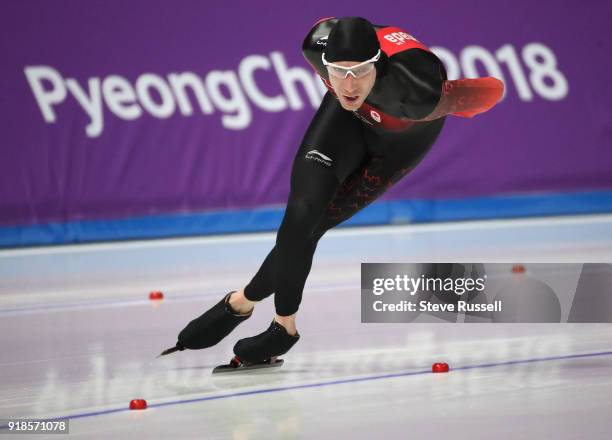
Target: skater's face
(352, 90)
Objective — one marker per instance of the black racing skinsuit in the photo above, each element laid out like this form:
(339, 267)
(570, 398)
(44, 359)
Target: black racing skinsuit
(359, 155)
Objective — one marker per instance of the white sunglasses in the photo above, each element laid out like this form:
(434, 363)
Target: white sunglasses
(358, 70)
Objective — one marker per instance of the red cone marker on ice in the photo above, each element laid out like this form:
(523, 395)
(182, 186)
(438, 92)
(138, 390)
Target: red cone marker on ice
(138, 404)
(518, 268)
(439, 367)
(156, 295)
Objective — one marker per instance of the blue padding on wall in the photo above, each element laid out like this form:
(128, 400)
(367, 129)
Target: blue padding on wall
(379, 213)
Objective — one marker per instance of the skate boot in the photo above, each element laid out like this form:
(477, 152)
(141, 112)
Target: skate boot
(260, 351)
(210, 328)
(275, 341)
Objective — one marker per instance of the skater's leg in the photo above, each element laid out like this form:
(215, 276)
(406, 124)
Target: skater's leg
(312, 188)
(332, 145)
(262, 284)
(287, 265)
(332, 149)
(260, 287)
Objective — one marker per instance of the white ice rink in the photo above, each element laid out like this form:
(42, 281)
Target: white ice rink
(79, 338)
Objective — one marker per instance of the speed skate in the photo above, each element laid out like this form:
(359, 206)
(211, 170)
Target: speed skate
(236, 365)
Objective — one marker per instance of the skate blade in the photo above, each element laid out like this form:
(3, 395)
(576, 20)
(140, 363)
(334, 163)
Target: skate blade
(236, 367)
(167, 352)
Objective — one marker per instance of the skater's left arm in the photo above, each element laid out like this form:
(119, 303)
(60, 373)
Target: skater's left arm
(428, 95)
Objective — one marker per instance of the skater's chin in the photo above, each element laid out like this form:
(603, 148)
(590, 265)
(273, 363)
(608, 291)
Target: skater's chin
(351, 103)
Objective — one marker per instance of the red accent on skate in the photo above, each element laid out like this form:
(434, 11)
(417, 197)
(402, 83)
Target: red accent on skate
(138, 404)
(235, 362)
(518, 268)
(156, 295)
(439, 367)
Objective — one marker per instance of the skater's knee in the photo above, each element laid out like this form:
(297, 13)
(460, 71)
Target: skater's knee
(301, 207)
(301, 216)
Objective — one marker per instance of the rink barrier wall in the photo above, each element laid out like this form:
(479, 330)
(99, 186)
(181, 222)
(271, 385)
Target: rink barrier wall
(268, 219)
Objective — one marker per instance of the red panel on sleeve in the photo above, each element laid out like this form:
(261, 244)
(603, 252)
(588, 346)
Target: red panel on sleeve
(473, 96)
(467, 97)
